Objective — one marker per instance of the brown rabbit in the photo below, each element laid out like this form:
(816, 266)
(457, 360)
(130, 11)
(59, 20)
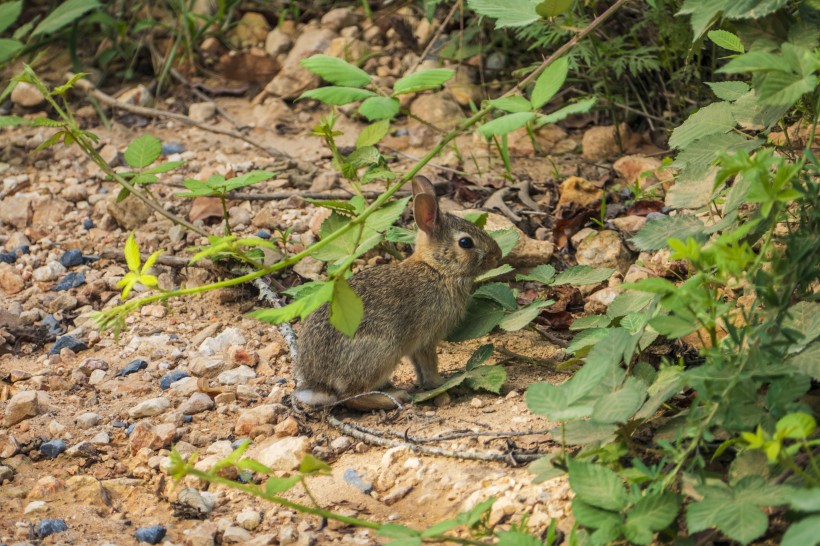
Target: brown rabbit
(408, 308)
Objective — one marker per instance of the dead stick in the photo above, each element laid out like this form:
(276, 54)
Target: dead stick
(89, 88)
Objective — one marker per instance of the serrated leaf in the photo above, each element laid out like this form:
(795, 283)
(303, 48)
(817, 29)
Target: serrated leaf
(654, 234)
(373, 133)
(312, 465)
(13, 121)
(299, 308)
(275, 486)
(729, 91)
(808, 361)
(517, 538)
(673, 326)
(478, 218)
(593, 517)
(628, 302)
(480, 356)
(395, 530)
(488, 378)
(784, 88)
(543, 273)
(590, 321)
(519, 319)
(502, 269)
(343, 207)
(506, 124)
(336, 71)
(741, 521)
(726, 40)
(805, 532)
(481, 317)
(515, 103)
(655, 511)
(544, 469)
(362, 157)
(580, 107)
(439, 528)
(59, 90)
(396, 234)
(553, 8)
(346, 308)
(511, 13)
(712, 119)
(164, 167)
(586, 338)
(620, 406)
(585, 433)
(804, 318)
(422, 80)
(9, 12)
(796, 426)
(337, 96)
(553, 402)
(581, 275)
(805, 500)
(596, 485)
(754, 61)
(506, 239)
(549, 82)
(66, 13)
(376, 108)
(143, 151)
(498, 292)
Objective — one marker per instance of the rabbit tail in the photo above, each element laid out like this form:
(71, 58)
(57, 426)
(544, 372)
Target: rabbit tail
(314, 397)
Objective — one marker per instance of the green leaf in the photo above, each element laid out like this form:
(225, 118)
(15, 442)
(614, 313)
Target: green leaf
(481, 317)
(808, 361)
(654, 234)
(543, 273)
(478, 218)
(580, 107)
(502, 269)
(553, 8)
(515, 103)
(422, 80)
(517, 538)
(299, 308)
(409, 541)
(726, 40)
(668, 382)
(754, 61)
(511, 13)
(343, 207)
(376, 108)
(66, 13)
(741, 521)
(785, 88)
(517, 320)
(596, 485)
(587, 338)
(506, 239)
(592, 517)
(488, 378)
(581, 275)
(805, 500)
(729, 91)
(804, 318)
(275, 486)
(554, 402)
(395, 530)
(9, 48)
(480, 356)
(472, 517)
(143, 151)
(549, 82)
(163, 167)
(628, 302)
(544, 470)
(709, 120)
(13, 121)
(311, 465)
(796, 426)
(397, 234)
(373, 133)
(440, 528)
(506, 124)
(654, 511)
(590, 321)
(620, 406)
(9, 12)
(362, 157)
(805, 532)
(673, 326)
(498, 292)
(132, 253)
(585, 433)
(336, 71)
(346, 308)
(337, 96)
(69, 84)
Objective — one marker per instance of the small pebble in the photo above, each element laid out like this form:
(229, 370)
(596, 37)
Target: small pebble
(72, 280)
(53, 448)
(262, 234)
(169, 148)
(22, 249)
(52, 325)
(49, 526)
(352, 477)
(170, 378)
(119, 424)
(130, 429)
(88, 223)
(7, 257)
(187, 418)
(152, 535)
(70, 258)
(132, 367)
(68, 342)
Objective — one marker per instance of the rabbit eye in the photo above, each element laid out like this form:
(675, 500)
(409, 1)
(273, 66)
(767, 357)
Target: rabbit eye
(466, 242)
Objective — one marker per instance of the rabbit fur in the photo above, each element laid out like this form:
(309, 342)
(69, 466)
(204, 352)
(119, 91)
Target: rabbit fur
(408, 308)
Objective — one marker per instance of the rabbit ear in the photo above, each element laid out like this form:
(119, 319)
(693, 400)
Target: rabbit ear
(425, 206)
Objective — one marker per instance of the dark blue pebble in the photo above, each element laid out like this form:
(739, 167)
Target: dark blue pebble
(49, 527)
(132, 367)
(238, 442)
(119, 424)
(68, 342)
(130, 429)
(53, 448)
(52, 325)
(171, 377)
(173, 336)
(353, 478)
(72, 280)
(22, 249)
(8, 257)
(88, 223)
(280, 380)
(151, 535)
(172, 148)
(187, 418)
(70, 258)
(263, 234)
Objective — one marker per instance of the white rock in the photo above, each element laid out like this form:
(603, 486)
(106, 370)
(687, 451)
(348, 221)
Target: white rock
(228, 337)
(249, 519)
(25, 94)
(202, 111)
(235, 535)
(35, 506)
(88, 420)
(49, 272)
(281, 453)
(198, 402)
(149, 408)
(23, 405)
(237, 376)
(101, 438)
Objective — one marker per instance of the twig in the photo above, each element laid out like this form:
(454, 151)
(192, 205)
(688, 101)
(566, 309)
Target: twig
(432, 41)
(511, 458)
(89, 88)
(170, 261)
(452, 436)
(539, 361)
(221, 111)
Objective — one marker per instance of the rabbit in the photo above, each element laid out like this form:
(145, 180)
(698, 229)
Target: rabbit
(408, 308)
